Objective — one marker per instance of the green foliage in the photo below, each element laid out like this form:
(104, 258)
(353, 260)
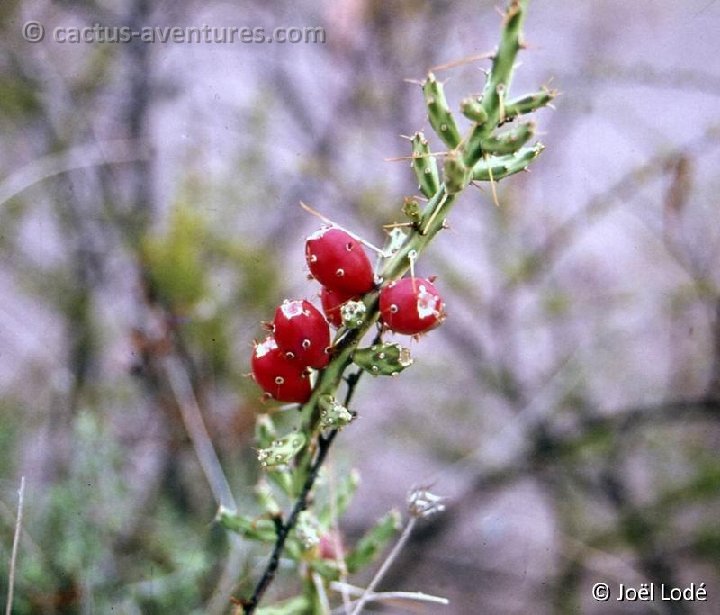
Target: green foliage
(17, 98)
(703, 486)
(300, 605)
(75, 529)
(373, 542)
(706, 544)
(189, 267)
(175, 260)
(343, 494)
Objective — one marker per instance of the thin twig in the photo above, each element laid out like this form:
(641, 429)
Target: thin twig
(385, 596)
(321, 593)
(81, 157)
(16, 543)
(192, 418)
(385, 566)
(228, 577)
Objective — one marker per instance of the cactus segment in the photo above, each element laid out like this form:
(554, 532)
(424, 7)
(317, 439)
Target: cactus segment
(307, 530)
(510, 141)
(456, 174)
(473, 110)
(344, 492)
(293, 606)
(386, 359)
(266, 498)
(529, 103)
(333, 415)
(255, 529)
(281, 452)
(439, 114)
(370, 545)
(411, 208)
(497, 167)
(424, 165)
(498, 82)
(265, 435)
(353, 314)
(473, 147)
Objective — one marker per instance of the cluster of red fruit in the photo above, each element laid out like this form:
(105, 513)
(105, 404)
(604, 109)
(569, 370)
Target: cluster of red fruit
(282, 364)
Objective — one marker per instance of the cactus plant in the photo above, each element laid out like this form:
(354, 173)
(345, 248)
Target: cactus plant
(356, 299)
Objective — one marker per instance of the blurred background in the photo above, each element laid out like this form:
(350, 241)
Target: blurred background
(568, 407)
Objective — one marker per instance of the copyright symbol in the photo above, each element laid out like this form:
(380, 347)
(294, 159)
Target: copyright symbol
(601, 592)
(33, 31)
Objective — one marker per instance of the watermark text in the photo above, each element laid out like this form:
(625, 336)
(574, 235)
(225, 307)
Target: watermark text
(35, 32)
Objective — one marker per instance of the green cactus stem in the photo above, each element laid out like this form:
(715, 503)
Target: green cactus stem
(473, 147)
(307, 530)
(353, 314)
(529, 103)
(266, 498)
(333, 415)
(456, 174)
(432, 219)
(497, 167)
(254, 529)
(344, 492)
(300, 605)
(373, 542)
(424, 165)
(439, 114)
(281, 452)
(386, 359)
(411, 208)
(473, 109)
(510, 141)
(498, 82)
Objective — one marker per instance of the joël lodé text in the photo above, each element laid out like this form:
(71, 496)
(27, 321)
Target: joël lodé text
(649, 592)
